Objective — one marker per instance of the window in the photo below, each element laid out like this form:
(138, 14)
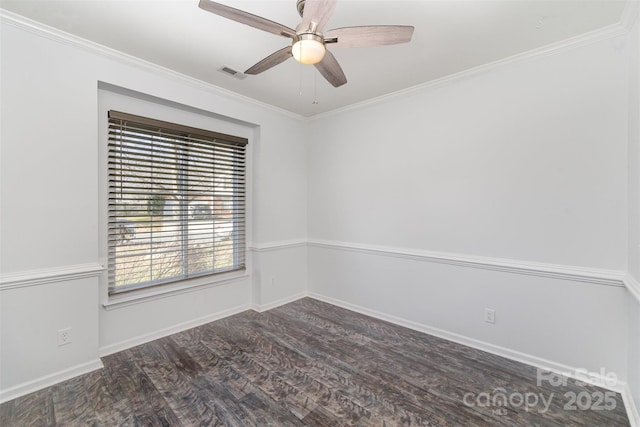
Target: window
(176, 202)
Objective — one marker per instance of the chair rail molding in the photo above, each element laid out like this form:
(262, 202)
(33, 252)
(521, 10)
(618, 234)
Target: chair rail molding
(274, 246)
(565, 272)
(44, 276)
(633, 286)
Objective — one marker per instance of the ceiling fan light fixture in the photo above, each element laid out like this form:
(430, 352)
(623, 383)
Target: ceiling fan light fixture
(308, 38)
(308, 48)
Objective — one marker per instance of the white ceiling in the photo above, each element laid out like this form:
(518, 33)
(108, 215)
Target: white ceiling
(450, 36)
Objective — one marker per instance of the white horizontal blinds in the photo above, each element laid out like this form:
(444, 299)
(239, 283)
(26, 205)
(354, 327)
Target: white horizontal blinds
(176, 202)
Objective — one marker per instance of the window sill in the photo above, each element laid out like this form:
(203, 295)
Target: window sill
(150, 294)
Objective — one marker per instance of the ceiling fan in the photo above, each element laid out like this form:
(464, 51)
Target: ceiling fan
(308, 39)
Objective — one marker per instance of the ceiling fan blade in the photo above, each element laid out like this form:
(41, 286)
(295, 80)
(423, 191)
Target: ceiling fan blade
(373, 35)
(331, 70)
(271, 61)
(316, 14)
(246, 18)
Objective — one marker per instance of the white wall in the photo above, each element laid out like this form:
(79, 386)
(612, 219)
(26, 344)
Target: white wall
(50, 203)
(634, 209)
(29, 319)
(524, 165)
(633, 155)
(526, 161)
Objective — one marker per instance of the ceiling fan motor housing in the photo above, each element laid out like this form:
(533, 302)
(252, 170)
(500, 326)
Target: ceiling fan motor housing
(308, 38)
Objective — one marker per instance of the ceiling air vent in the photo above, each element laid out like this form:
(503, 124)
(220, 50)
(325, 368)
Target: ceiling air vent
(231, 72)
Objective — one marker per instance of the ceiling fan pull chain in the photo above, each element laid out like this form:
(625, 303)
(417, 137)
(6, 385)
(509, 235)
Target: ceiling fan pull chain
(309, 38)
(315, 88)
(301, 71)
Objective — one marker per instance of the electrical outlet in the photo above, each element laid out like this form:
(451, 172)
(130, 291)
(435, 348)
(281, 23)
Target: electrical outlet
(64, 336)
(489, 315)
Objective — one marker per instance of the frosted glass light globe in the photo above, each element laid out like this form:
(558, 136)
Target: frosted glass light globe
(308, 49)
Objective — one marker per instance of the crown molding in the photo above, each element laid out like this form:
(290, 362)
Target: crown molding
(628, 20)
(54, 34)
(596, 36)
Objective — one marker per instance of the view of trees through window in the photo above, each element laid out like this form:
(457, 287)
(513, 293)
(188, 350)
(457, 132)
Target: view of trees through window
(176, 206)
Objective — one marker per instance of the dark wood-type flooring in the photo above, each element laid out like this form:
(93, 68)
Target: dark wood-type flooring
(306, 363)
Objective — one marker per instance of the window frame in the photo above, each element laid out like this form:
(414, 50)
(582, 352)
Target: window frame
(239, 242)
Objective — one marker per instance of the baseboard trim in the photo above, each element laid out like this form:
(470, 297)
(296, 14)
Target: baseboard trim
(52, 379)
(49, 380)
(631, 407)
(286, 300)
(57, 377)
(564, 272)
(517, 356)
(45, 276)
(141, 339)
